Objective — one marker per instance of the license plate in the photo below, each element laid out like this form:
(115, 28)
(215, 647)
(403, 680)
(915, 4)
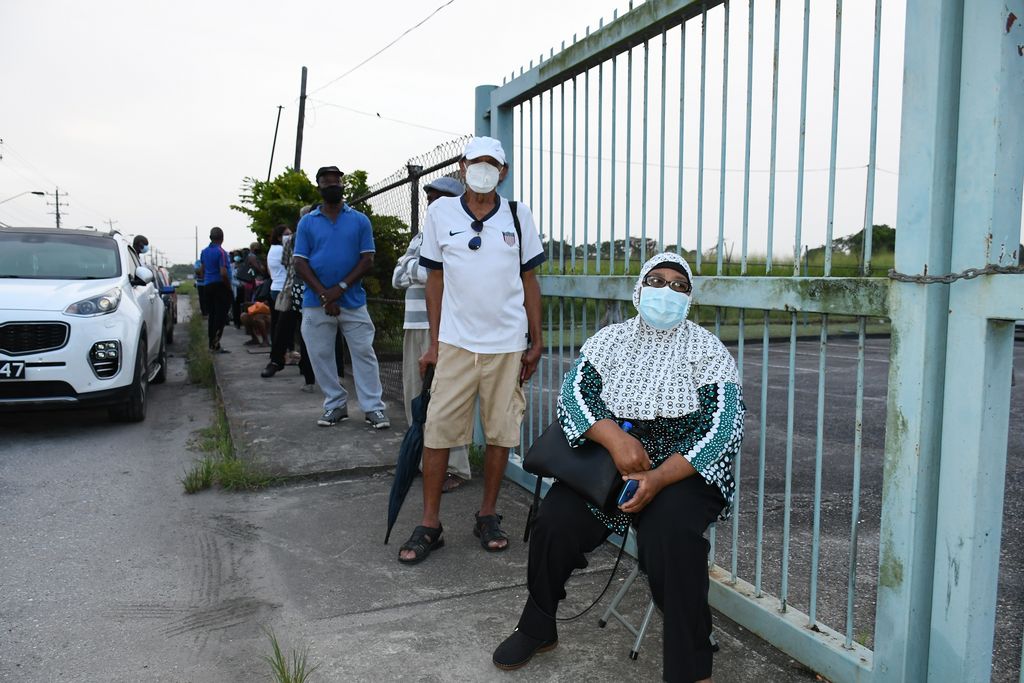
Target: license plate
(12, 369)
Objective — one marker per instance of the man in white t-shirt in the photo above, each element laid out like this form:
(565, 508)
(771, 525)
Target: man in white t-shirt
(484, 310)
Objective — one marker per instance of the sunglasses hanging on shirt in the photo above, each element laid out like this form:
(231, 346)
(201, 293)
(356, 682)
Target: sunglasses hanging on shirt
(475, 241)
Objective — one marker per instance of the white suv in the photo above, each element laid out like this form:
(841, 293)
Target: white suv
(80, 322)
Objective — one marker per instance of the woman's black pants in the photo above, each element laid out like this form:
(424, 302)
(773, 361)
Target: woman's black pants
(672, 551)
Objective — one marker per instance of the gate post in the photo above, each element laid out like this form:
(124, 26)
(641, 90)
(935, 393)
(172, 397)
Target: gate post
(979, 361)
(496, 121)
(931, 81)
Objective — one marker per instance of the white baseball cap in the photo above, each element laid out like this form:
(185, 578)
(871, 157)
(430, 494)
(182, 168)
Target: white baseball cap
(485, 147)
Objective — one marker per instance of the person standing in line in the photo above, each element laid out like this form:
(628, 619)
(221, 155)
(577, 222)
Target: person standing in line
(333, 251)
(213, 270)
(484, 308)
(412, 277)
(278, 270)
(236, 288)
(204, 307)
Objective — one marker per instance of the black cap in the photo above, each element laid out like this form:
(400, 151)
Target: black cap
(324, 170)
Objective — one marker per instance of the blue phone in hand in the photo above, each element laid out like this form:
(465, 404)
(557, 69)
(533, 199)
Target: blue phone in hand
(628, 491)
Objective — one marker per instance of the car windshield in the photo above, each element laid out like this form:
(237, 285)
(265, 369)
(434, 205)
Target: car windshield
(51, 256)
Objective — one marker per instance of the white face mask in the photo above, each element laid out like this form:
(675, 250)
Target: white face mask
(482, 177)
(286, 239)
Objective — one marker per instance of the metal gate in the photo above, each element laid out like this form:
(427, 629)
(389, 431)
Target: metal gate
(639, 136)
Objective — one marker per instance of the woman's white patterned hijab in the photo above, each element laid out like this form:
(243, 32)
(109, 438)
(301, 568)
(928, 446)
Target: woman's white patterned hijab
(648, 373)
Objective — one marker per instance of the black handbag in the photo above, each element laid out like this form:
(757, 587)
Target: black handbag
(587, 469)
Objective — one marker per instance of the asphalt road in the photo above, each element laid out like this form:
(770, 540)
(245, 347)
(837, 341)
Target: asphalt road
(109, 572)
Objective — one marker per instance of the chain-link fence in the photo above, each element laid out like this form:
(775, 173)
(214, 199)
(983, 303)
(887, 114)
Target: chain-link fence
(399, 198)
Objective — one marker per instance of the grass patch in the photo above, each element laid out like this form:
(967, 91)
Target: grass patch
(219, 466)
(285, 669)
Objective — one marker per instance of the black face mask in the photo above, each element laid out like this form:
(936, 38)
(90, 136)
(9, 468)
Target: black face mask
(331, 193)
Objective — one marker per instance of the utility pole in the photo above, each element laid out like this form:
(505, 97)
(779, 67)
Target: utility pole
(302, 118)
(56, 204)
(274, 145)
(111, 222)
(197, 242)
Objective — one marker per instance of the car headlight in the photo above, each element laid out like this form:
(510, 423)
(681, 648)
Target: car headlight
(102, 304)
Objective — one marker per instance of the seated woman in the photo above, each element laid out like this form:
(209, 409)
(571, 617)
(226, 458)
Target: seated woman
(256, 321)
(678, 385)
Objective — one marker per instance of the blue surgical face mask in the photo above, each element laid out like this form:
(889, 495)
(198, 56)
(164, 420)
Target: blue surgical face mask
(661, 308)
(145, 249)
(238, 259)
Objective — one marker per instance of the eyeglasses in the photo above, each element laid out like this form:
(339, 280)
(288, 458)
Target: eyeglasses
(680, 286)
(475, 242)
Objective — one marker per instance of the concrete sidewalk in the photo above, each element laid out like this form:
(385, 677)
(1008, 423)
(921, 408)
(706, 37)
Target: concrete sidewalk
(336, 588)
(273, 422)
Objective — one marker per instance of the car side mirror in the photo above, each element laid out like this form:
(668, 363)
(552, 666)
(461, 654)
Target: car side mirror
(144, 275)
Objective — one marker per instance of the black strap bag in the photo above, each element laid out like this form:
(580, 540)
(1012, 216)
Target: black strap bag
(587, 469)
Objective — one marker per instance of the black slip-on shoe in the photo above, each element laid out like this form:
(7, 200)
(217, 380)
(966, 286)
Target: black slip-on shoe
(518, 649)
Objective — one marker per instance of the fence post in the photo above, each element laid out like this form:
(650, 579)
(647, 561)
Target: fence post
(414, 197)
(496, 122)
(919, 314)
(979, 357)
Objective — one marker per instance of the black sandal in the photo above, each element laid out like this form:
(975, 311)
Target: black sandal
(488, 530)
(423, 540)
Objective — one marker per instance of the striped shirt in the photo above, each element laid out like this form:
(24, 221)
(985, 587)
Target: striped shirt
(411, 276)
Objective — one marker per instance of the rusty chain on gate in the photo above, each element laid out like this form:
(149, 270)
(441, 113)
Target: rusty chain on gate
(969, 274)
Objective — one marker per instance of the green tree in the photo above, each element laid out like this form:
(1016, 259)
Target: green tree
(277, 201)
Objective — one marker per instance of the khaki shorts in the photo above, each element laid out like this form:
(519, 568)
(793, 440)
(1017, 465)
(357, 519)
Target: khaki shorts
(459, 378)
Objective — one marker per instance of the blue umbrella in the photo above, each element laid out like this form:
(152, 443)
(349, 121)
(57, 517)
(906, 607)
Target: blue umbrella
(409, 454)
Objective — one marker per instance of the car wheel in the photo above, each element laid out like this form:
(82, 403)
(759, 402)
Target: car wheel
(161, 376)
(134, 409)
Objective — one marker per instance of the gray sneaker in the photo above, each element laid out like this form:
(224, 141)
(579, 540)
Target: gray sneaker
(333, 417)
(377, 419)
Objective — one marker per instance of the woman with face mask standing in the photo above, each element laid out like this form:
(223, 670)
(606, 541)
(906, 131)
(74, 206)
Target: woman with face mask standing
(679, 387)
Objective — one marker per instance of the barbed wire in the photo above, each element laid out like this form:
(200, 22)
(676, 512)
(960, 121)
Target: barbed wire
(968, 274)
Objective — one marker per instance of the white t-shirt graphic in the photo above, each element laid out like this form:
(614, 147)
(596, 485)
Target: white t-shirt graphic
(482, 307)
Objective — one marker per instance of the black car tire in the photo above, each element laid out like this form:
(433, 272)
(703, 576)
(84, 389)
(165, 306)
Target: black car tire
(161, 376)
(169, 337)
(134, 409)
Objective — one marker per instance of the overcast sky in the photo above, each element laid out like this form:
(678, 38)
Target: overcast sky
(151, 114)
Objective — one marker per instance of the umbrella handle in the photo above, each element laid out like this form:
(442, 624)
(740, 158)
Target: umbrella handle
(428, 378)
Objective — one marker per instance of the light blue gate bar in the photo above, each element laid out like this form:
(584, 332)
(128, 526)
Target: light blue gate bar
(725, 128)
(836, 58)
(661, 157)
(746, 143)
(788, 493)
(761, 448)
(627, 233)
(798, 238)
(700, 140)
(643, 156)
(819, 444)
(919, 320)
(979, 352)
(586, 174)
(774, 140)
(682, 137)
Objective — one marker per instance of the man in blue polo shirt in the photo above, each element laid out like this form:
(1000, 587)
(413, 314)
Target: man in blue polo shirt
(333, 250)
(213, 274)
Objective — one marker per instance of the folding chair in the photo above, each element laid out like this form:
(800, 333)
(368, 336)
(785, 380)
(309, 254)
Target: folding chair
(638, 631)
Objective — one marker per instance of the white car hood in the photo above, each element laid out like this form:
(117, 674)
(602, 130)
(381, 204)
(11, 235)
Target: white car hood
(49, 295)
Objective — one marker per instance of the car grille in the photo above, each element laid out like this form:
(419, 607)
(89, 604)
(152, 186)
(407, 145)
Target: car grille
(19, 339)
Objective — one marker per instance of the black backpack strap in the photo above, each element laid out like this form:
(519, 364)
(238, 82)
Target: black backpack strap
(519, 230)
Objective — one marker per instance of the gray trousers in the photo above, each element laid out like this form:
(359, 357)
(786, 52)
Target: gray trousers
(319, 330)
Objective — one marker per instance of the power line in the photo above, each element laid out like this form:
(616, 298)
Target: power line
(376, 115)
(404, 34)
